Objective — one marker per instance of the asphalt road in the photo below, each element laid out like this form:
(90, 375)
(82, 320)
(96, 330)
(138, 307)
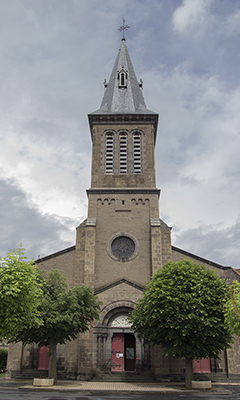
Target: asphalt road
(21, 394)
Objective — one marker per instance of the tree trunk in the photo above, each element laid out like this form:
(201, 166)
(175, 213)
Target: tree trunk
(188, 372)
(52, 372)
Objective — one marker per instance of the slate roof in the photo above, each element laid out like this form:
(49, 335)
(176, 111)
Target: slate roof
(126, 99)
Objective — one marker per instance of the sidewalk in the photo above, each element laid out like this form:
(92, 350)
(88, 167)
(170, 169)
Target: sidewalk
(90, 386)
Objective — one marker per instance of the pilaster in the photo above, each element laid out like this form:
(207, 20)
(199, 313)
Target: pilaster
(90, 242)
(156, 244)
(79, 254)
(14, 360)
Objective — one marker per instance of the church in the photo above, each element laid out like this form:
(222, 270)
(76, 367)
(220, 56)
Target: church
(119, 246)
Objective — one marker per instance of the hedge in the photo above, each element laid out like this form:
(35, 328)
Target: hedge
(3, 359)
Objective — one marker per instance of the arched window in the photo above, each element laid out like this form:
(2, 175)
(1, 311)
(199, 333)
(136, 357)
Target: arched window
(123, 153)
(122, 78)
(109, 154)
(137, 156)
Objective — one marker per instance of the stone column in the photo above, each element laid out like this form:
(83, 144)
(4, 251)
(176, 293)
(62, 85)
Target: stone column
(104, 336)
(99, 348)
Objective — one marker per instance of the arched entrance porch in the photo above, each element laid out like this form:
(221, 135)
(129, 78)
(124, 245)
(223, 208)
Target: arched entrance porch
(118, 350)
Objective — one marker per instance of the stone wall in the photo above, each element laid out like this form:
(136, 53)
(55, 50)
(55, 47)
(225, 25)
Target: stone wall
(63, 261)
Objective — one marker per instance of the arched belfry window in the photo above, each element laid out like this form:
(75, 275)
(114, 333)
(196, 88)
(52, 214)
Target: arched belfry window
(122, 78)
(137, 156)
(123, 153)
(109, 153)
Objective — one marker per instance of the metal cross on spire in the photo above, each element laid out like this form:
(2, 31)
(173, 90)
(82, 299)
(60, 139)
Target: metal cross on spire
(123, 28)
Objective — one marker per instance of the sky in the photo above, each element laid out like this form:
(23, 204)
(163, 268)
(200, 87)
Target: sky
(54, 57)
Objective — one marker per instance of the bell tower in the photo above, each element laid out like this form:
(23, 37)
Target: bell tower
(123, 198)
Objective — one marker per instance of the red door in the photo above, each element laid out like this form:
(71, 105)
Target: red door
(117, 363)
(202, 366)
(43, 359)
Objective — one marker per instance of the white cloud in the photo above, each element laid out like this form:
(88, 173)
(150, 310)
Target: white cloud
(23, 223)
(55, 56)
(191, 16)
(197, 155)
(50, 174)
(232, 25)
(213, 243)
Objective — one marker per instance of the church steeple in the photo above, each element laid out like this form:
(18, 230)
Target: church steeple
(123, 99)
(123, 94)
(123, 132)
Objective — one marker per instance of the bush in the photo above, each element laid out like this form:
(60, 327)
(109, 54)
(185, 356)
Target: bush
(3, 359)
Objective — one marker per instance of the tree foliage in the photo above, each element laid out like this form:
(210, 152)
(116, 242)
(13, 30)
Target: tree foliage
(183, 310)
(19, 293)
(232, 309)
(64, 313)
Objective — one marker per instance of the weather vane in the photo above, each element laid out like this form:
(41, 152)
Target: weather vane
(123, 28)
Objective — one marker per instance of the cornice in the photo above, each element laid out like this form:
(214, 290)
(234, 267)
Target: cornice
(122, 191)
(114, 119)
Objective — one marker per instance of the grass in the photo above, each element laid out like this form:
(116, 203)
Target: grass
(2, 374)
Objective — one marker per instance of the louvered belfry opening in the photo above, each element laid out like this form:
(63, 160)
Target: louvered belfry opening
(123, 153)
(109, 154)
(137, 157)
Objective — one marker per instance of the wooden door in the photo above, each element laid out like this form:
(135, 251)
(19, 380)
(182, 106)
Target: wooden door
(43, 359)
(202, 366)
(117, 359)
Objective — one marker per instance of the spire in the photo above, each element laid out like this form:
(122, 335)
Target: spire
(123, 92)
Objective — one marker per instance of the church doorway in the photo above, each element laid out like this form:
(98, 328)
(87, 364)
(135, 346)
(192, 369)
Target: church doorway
(43, 359)
(123, 352)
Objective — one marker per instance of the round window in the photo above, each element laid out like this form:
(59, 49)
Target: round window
(123, 246)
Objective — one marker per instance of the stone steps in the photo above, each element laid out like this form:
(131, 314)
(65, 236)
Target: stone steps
(124, 376)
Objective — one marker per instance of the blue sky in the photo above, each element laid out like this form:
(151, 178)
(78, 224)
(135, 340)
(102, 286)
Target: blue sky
(55, 55)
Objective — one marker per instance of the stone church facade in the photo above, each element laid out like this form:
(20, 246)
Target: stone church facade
(119, 246)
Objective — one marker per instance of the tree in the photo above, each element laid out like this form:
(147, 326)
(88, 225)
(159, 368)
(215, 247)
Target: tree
(232, 309)
(183, 310)
(19, 293)
(64, 313)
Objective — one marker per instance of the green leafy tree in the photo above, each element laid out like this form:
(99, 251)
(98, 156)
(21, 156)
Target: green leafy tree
(19, 293)
(232, 309)
(183, 310)
(64, 313)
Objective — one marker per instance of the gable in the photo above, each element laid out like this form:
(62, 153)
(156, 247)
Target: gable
(227, 272)
(119, 282)
(63, 260)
